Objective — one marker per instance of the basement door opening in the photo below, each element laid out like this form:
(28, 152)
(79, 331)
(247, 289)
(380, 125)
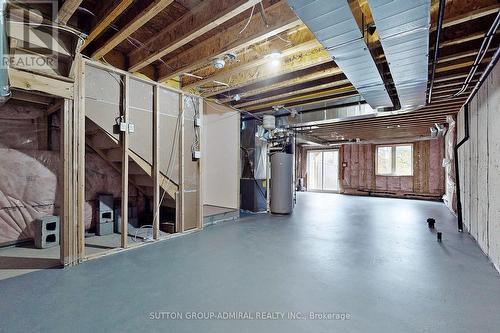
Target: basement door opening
(323, 170)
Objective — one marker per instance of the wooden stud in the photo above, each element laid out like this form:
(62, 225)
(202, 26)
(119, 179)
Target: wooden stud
(125, 156)
(156, 162)
(79, 103)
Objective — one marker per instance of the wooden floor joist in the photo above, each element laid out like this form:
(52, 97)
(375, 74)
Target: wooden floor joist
(140, 19)
(279, 18)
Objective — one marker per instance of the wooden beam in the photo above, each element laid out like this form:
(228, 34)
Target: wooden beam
(156, 162)
(67, 10)
(124, 136)
(296, 62)
(470, 16)
(278, 16)
(25, 96)
(292, 93)
(207, 16)
(302, 40)
(224, 74)
(286, 83)
(34, 82)
(140, 19)
(303, 98)
(114, 10)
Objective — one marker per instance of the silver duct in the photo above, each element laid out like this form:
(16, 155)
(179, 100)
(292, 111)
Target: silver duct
(335, 27)
(403, 27)
(4, 73)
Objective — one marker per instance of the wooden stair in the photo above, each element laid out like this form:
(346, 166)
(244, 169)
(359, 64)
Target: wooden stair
(140, 171)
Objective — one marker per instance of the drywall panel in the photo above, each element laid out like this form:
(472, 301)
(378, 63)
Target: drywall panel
(103, 97)
(141, 115)
(221, 155)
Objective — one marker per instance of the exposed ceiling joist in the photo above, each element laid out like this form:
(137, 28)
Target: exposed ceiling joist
(114, 10)
(203, 18)
(293, 63)
(67, 10)
(140, 19)
(279, 18)
(470, 16)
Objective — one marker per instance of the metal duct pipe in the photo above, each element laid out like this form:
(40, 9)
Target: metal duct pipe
(4, 73)
(442, 4)
(483, 77)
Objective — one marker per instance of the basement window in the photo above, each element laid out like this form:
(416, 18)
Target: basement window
(394, 160)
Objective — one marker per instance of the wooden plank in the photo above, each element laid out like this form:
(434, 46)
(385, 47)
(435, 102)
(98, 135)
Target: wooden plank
(115, 10)
(79, 103)
(124, 136)
(181, 221)
(67, 10)
(156, 162)
(467, 17)
(278, 16)
(140, 19)
(34, 82)
(67, 255)
(304, 60)
(207, 16)
(259, 60)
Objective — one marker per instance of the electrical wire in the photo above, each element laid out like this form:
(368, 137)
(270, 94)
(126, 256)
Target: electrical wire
(248, 22)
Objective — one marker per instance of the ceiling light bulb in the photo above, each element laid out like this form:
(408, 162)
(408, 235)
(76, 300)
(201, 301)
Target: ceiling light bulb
(219, 63)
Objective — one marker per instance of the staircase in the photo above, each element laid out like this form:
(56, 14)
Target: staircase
(140, 171)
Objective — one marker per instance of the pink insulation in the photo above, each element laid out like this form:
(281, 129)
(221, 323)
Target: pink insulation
(428, 178)
(29, 181)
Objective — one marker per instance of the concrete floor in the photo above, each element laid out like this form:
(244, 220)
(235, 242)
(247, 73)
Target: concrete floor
(372, 258)
(25, 258)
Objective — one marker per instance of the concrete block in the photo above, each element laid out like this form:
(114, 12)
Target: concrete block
(46, 232)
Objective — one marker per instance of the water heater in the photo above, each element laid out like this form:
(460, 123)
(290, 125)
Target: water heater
(281, 183)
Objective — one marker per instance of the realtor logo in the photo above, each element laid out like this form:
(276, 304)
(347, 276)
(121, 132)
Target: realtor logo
(29, 39)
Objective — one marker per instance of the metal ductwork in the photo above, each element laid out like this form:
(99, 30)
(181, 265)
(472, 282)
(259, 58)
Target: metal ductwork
(403, 27)
(4, 73)
(335, 27)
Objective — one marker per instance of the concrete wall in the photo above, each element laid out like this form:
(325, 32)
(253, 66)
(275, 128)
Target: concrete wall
(479, 167)
(358, 172)
(221, 155)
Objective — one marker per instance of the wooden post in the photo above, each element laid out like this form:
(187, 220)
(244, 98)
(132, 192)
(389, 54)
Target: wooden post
(180, 197)
(200, 165)
(79, 103)
(156, 162)
(125, 144)
(67, 252)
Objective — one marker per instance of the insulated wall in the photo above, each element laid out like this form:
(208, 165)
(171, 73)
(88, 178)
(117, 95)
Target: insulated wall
(479, 167)
(358, 174)
(221, 153)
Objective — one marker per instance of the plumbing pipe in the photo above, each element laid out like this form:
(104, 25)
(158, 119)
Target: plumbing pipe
(442, 4)
(4, 72)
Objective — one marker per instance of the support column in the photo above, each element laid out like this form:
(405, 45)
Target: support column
(180, 226)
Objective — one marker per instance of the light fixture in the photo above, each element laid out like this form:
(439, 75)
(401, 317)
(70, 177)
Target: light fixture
(218, 63)
(274, 58)
(236, 97)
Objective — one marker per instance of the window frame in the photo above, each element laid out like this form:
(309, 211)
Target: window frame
(393, 160)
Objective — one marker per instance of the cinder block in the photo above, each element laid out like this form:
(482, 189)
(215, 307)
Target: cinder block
(105, 202)
(47, 232)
